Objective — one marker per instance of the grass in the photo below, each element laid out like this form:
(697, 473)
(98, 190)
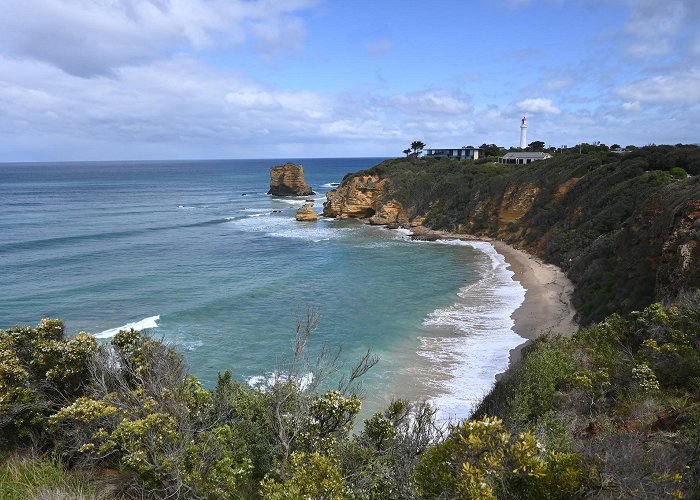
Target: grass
(23, 477)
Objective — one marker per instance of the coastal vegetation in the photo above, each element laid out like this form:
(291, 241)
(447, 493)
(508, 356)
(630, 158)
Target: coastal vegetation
(611, 412)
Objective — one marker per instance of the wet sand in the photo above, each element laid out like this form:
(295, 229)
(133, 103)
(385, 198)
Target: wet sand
(547, 306)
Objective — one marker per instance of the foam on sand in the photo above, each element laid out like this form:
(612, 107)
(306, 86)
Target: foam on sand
(146, 323)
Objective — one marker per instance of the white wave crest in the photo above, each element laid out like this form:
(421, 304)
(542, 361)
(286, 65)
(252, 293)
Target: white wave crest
(268, 380)
(474, 335)
(146, 323)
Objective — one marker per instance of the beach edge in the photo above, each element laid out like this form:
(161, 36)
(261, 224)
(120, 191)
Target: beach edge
(546, 308)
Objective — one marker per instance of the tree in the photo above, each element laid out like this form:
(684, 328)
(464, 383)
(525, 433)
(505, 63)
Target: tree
(490, 149)
(417, 147)
(535, 146)
(407, 151)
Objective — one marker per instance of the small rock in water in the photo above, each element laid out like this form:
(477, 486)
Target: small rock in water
(306, 213)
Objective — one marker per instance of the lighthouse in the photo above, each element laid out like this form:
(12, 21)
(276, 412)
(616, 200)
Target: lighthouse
(523, 133)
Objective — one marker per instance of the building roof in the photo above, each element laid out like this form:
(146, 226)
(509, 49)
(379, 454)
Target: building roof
(526, 155)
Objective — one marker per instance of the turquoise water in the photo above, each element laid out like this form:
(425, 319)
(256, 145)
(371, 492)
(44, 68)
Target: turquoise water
(197, 252)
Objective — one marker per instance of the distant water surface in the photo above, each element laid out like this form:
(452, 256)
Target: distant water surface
(197, 252)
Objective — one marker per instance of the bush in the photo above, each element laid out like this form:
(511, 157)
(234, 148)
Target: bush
(480, 459)
(40, 369)
(678, 173)
(309, 475)
(148, 417)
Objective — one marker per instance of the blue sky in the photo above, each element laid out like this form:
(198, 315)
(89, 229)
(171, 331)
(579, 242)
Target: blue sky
(150, 79)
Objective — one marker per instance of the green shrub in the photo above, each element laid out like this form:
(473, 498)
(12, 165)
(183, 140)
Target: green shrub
(678, 173)
(309, 475)
(40, 370)
(480, 459)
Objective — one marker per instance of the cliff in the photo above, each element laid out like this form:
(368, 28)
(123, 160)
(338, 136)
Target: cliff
(624, 230)
(360, 196)
(288, 180)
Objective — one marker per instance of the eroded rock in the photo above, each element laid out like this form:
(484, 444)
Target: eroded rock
(306, 213)
(288, 180)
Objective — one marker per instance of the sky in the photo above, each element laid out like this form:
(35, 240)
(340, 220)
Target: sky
(185, 79)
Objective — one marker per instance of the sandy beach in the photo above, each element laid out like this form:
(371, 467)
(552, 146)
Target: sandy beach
(547, 305)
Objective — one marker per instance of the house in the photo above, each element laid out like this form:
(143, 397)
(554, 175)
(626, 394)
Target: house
(465, 153)
(523, 158)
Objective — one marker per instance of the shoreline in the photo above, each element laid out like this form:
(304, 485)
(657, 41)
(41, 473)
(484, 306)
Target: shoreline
(546, 307)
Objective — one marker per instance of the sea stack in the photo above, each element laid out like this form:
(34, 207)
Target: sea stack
(306, 213)
(288, 180)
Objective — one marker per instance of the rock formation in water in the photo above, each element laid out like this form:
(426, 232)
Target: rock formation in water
(288, 180)
(306, 213)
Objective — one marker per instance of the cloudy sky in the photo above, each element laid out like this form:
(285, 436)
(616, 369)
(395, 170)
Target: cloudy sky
(157, 79)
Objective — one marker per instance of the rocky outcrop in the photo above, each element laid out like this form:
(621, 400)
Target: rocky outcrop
(359, 197)
(288, 180)
(389, 214)
(679, 265)
(306, 213)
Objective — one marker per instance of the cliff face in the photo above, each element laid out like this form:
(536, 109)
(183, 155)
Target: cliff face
(358, 197)
(624, 234)
(679, 264)
(288, 180)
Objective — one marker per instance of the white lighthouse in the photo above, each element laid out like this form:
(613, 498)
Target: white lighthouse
(523, 133)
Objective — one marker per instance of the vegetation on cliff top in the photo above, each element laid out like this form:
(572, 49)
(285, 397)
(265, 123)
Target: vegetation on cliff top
(604, 218)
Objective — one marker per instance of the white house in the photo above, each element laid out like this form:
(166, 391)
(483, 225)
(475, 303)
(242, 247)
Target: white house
(523, 158)
(464, 153)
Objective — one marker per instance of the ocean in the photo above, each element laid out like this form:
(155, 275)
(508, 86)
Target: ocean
(198, 254)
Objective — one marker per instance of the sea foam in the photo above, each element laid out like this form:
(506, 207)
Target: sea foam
(474, 336)
(146, 323)
(268, 380)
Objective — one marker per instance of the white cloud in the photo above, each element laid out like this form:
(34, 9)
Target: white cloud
(655, 27)
(180, 107)
(538, 105)
(631, 106)
(252, 99)
(557, 84)
(97, 37)
(379, 46)
(681, 88)
(434, 101)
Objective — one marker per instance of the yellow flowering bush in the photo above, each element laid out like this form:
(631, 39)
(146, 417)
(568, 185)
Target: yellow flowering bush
(480, 459)
(310, 475)
(40, 369)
